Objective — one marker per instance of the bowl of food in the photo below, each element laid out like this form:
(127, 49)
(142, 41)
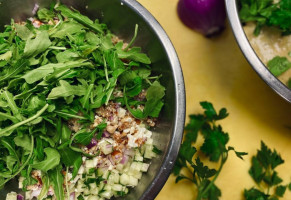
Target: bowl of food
(92, 101)
(262, 30)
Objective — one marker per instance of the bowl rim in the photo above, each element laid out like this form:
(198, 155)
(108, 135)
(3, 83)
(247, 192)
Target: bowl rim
(180, 100)
(250, 54)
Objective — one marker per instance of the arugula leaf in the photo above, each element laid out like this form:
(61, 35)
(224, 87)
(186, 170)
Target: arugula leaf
(50, 162)
(66, 90)
(14, 70)
(67, 27)
(41, 72)
(133, 54)
(23, 141)
(23, 32)
(45, 15)
(6, 56)
(38, 45)
(79, 18)
(56, 179)
(45, 187)
(84, 137)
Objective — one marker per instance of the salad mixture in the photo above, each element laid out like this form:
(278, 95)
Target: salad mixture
(268, 28)
(76, 106)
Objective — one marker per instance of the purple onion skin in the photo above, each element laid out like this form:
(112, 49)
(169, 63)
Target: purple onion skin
(20, 197)
(92, 144)
(204, 16)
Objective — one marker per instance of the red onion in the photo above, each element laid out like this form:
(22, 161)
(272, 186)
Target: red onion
(36, 193)
(35, 9)
(124, 160)
(20, 197)
(106, 134)
(92, 144)
(72, 196)
(204, 16)
(129, 152)
(111, 160)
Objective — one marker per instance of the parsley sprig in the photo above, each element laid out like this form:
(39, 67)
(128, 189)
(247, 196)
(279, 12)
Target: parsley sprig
(189, 165)
(267, 13)
(265, 176)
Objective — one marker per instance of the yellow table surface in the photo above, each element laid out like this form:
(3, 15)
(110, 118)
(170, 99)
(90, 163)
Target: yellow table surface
(215, 70)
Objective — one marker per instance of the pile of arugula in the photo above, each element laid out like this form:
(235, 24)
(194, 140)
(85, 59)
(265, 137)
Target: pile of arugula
(266, 177)
(53, 73)
(267, 13)
(214, 147)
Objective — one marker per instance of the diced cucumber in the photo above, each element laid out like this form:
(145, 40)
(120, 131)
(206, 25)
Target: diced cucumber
(137, 175)
(94, 191)
(106, 147)
(91, 197)
(149, 141)
(11, 196)
(101, 171)
(145, 167)
(138, 158)
(89, 164)
(133, 181)
(107, 187)
(106, 194)
(117, 187)
(124, 179)
(148, 152)
(92, 186)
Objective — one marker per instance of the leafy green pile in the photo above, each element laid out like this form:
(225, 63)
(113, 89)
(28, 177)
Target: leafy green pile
(64, 69)
(213, 147)
(266, 177)
(267, 13)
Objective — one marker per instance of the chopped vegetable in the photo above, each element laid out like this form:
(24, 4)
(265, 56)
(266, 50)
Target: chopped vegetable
(214, 147)
(266, 177)
(206, 17)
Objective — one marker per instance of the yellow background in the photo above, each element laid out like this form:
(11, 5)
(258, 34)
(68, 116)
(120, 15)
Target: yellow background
(215, 70)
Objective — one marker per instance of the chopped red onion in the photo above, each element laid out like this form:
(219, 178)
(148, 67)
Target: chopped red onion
(106, 134)
(92, 144)
(20, 197)
(204, 16)
(72, 196)
(129, 152)
(111, 160)
(35, 193)
(124, 160)
(35, 9)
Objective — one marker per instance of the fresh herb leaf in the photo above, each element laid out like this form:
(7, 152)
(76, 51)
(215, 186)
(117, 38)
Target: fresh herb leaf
(278, 65)
(214, 147)
(267, 13)
(50, 162)
(38, 45)
(56, 179)
(264, 174)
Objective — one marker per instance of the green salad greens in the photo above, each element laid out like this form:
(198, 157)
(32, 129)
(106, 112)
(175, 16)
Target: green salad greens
(55, 67)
